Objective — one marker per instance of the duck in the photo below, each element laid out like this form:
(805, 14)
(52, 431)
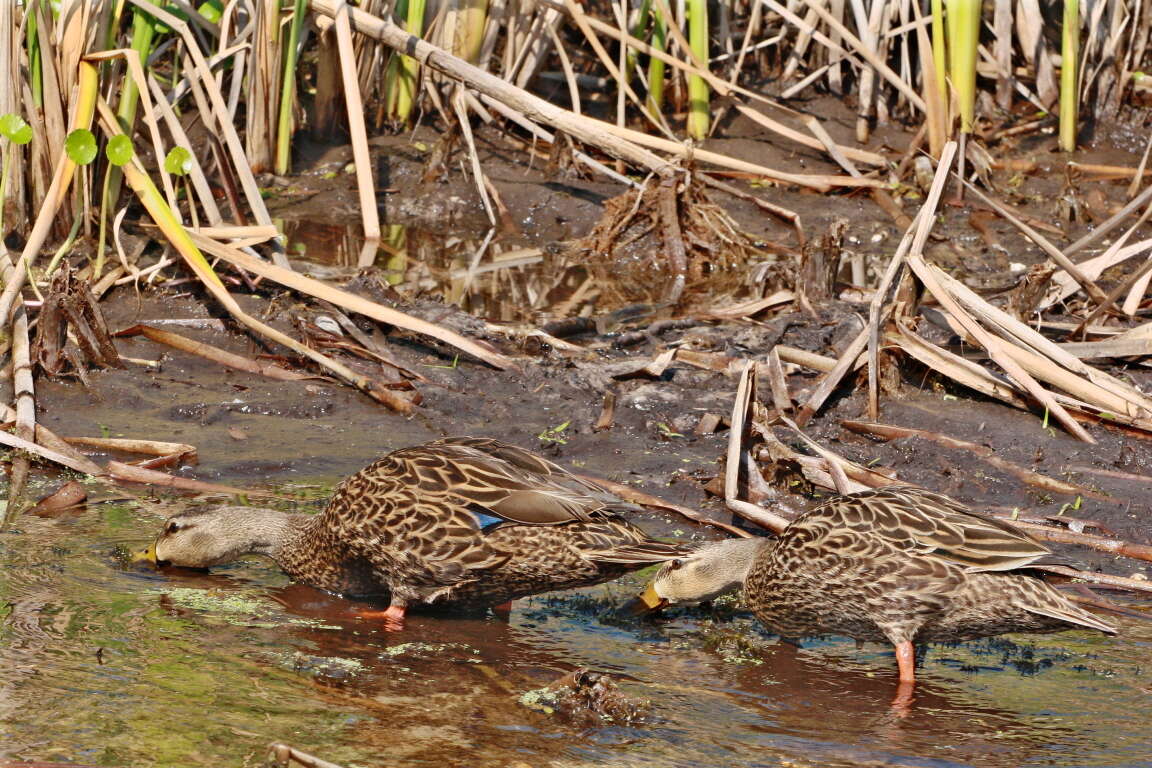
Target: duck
(461, 523)
(896, 564)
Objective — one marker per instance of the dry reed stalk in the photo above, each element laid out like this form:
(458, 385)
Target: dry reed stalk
(11, 37)
(734, 459)
(724, 88)
(222, 118)
(1053, 252)
(215, 354)
(24, 393)
(19, 443)
(836, 464)
(959, 369)
(576, 13)
(350, 301)
(1064, 286)
(532, 106)
(358, 134)
(283, 756)
(61, 180)
(262, 99)
(196, 174)
(1045, 358)
(131, 473)
(128, 445)
(50, 440)
(997, 349)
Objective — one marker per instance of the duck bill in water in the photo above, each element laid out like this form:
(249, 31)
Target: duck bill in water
(646, 602)
(146, 556)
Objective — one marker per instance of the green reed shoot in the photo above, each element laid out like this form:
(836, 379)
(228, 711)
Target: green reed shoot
(940, 55)
(963, 39)
(699, 115)
(1069, 58)
(655, 101)
(409, 67)
(288, 89)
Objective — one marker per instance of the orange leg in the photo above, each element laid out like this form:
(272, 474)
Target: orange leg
(906, 660)
(503, 611)
(392, 617)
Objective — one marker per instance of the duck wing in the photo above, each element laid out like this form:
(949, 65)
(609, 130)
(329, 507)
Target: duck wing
(417, 514)
(929, 524)
(510, 483)
(615, 541)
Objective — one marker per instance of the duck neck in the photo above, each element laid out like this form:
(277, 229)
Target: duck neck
(733, 558)
(268, 532)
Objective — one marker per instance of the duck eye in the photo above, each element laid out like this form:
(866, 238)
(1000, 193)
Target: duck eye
(172, 527)
(676, 564)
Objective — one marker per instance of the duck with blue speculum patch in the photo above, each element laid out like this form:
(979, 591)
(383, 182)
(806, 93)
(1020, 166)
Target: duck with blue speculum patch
(462, 523)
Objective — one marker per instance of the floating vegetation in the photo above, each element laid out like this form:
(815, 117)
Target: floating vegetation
(236, 608)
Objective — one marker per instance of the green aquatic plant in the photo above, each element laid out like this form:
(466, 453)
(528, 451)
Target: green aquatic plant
(18, 133)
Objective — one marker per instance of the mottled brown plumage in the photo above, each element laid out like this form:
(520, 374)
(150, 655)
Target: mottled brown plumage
(896, 564)
(460, 522)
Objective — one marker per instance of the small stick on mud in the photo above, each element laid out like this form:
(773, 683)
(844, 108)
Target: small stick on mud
(1099, 543)
(283, 756)
(893, 432)
(215, 354)
(133, 474)
(1091, 577)
(12, 441)
(607, 413)
(781, 398)
(54, 442)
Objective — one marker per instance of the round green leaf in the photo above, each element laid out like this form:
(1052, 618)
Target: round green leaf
(212, 10)
(81, 146)
(178, 161)
(13, 127)
(119, 149)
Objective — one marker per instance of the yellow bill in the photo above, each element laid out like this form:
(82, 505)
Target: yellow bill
(147, 555)
(651, 600)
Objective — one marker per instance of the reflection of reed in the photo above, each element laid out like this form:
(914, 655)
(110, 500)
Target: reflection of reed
(504, 281)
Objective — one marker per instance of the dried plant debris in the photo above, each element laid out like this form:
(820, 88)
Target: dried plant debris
(587, 699)
(70, 314)
(669, 236)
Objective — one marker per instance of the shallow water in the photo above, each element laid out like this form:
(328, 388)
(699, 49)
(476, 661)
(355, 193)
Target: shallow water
(106, 664)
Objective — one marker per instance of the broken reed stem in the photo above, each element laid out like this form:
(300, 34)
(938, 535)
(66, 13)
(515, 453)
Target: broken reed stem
(1098, 543)
(24, 392)
(736, 452)
(351, 301)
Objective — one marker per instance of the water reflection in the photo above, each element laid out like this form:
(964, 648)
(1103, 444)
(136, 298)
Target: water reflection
(109, 664)
(502, 280)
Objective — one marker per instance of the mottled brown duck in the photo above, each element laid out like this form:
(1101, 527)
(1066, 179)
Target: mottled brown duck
(464, 523)
(897, 564)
